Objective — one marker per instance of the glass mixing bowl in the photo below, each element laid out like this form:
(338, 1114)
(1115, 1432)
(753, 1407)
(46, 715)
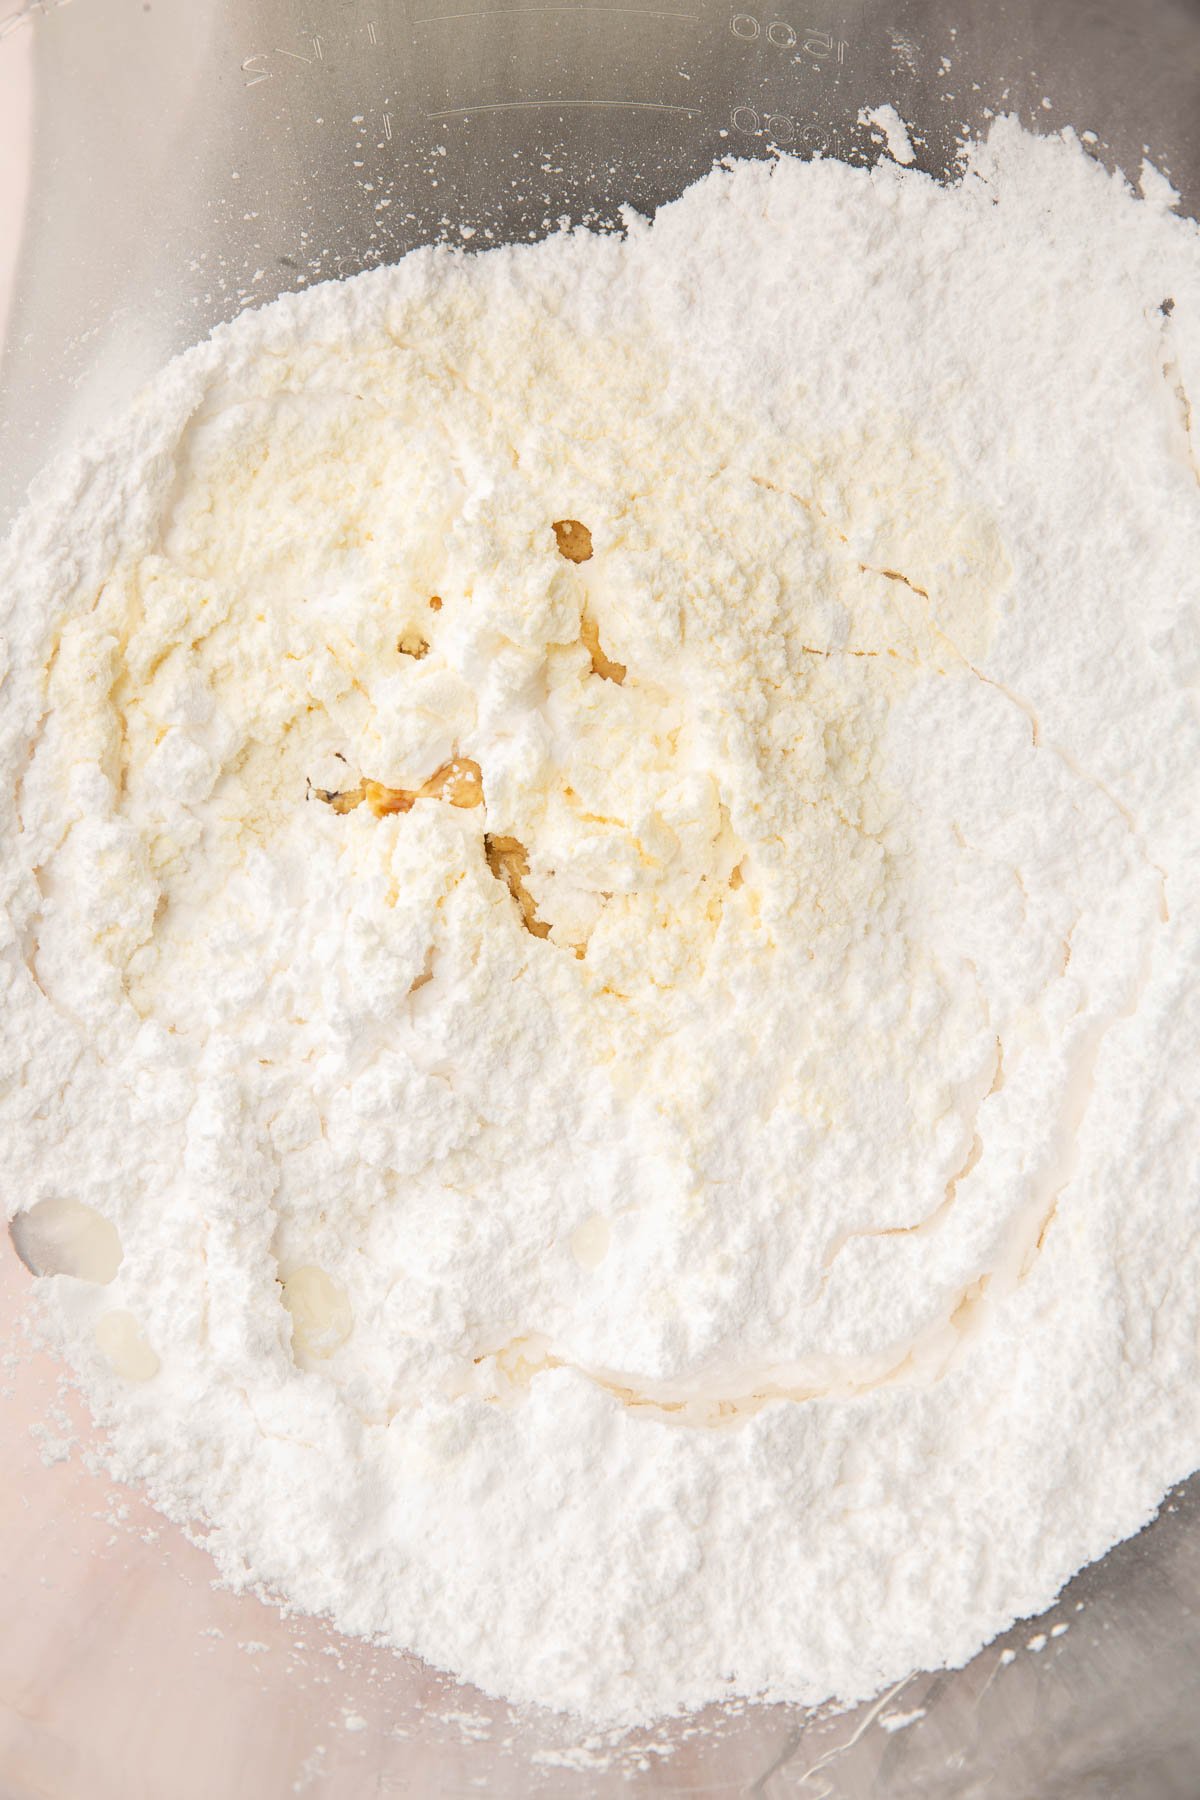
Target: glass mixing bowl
(164, 165)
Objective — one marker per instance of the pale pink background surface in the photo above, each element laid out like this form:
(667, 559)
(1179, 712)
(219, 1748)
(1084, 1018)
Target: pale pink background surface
(16, 127)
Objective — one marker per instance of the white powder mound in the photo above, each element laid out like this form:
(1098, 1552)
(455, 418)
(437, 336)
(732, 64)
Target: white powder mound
(601, 962)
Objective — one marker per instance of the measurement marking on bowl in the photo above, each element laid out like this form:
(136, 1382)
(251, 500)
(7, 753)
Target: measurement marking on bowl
(257, 67)
(784, 36)
(462, 112)
(751, 123)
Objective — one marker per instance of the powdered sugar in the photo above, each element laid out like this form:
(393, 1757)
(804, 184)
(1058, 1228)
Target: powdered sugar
(891, 127)
(644, 1098)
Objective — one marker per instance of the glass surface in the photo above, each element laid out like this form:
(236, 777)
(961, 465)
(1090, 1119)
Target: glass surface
(165, 163)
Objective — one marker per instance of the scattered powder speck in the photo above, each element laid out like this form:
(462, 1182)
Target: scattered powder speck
(472, 1727)
(1156, 188)
(53, 1446)
(900, 1721)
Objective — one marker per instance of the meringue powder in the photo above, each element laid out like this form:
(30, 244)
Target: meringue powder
(601, 966)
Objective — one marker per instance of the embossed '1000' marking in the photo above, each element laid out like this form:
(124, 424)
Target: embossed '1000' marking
(779, 127)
